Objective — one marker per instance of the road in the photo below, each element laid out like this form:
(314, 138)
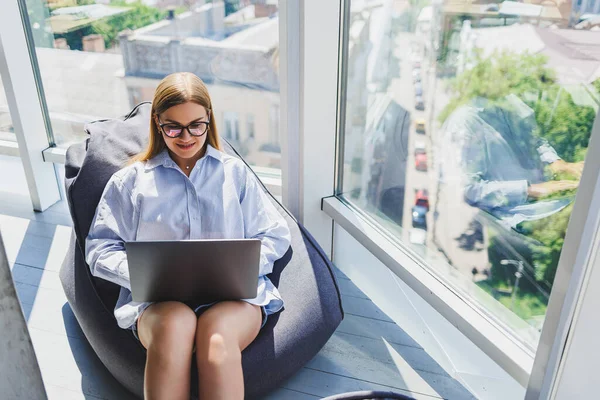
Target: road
(379, 171)
(460, 239)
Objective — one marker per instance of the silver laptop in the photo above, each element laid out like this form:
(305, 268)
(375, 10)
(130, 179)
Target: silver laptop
(198, 271)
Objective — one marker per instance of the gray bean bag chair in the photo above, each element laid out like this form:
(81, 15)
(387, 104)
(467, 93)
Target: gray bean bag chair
(304, 275)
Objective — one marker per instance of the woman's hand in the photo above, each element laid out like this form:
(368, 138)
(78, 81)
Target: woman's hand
(561, 166)
(544, 189)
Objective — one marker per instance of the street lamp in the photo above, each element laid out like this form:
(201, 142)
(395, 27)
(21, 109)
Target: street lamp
(518, 275)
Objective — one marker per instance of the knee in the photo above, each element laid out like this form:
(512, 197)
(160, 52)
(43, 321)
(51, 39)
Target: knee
(175, 323)
(214, 347)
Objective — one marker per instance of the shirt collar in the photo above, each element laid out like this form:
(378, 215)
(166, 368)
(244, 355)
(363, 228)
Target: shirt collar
(163, 158)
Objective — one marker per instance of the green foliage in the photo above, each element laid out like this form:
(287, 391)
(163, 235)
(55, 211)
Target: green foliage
(550, 233)
(498, 75)
(141, 15)
(564, 124)
(527, 305)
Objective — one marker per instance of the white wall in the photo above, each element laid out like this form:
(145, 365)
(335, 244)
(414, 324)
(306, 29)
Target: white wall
(578, 375)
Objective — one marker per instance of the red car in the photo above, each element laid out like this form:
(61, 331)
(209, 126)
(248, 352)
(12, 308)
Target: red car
(422, 198)
(421, 162)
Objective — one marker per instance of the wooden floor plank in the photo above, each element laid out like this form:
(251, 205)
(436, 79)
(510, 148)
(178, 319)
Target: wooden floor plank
(376, 329)
(382, 351)
(339, 274)
(322, 384)
(21, 207)
(38, 251)
(71, 363)
(52, 316)
(289, 394)
(364, 308)
(17, 226)
(59, 393)
(399, 375)
(35, 276)
(348, 288)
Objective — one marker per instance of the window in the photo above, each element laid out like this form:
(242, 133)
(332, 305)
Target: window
(250, 126)
(274, 124)
(464, 137)
(100, 60)
(231, 122)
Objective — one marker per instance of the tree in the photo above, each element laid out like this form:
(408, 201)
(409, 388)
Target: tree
(141, 15)
(498, 75)
(550, 232)
(138, 16)
(564, 124)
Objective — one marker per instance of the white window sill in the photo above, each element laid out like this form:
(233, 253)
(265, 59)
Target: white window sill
(9, 148)
(487, 334)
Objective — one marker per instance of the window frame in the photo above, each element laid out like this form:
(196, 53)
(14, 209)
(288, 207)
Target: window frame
(18, 68)
(535, 371)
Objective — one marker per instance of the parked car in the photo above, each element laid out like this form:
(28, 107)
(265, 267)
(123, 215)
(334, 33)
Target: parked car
(420, 126)
(419, 104)
(417, 236)
(422, 198)
(421, 162)
(420, 147)
(418, 89)
(419, 217)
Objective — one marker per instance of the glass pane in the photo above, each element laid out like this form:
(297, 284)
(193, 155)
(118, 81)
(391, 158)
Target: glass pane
(6, 128)
(100, 60)
(465, 135)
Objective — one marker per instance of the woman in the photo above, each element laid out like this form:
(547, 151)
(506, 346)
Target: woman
(183, 187)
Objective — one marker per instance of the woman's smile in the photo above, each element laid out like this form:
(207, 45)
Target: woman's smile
(186, 146)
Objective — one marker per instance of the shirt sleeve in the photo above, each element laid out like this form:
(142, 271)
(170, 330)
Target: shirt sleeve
(495, 194)
(546, 152)
(263, 221)
(114, 223)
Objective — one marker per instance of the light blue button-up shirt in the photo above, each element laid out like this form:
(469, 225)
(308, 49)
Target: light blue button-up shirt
(489, 154)
(155, 200)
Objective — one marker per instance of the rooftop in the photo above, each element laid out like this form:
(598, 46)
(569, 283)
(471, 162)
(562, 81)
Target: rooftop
(573, 54)
(67, 19)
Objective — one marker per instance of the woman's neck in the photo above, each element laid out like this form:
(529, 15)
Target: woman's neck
(187, 164)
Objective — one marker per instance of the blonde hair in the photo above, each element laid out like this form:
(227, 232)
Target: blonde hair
(175, 89)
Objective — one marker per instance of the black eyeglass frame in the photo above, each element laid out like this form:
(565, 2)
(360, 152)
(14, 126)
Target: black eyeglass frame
(207, 123)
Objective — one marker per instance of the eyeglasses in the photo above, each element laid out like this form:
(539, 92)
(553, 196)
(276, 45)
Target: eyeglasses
(196, 128)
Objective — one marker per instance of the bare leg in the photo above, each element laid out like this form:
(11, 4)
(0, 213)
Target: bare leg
(167, 331)
(223, 331)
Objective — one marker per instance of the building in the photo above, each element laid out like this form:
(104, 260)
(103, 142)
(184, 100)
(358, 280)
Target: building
(239, 63)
